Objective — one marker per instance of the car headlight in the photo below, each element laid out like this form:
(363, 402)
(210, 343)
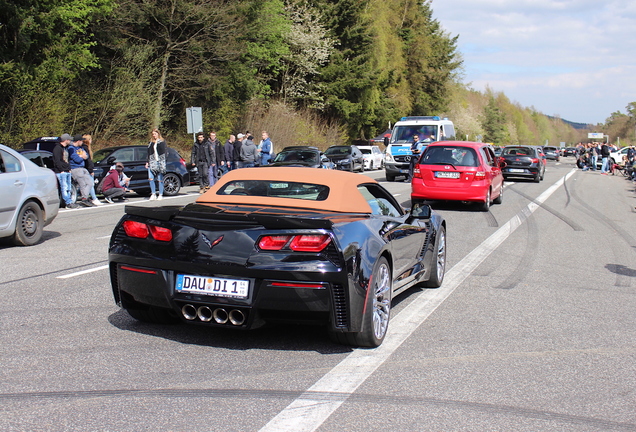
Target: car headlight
(388, 158)
(344, 161)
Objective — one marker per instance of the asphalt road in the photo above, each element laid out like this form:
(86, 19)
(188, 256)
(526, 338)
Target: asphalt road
(534, 329)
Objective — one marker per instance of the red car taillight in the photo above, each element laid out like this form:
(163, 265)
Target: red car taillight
(416, 172)
(298, 243)
(142, 230)
(535, 160)
(480, 175)
(183, 161)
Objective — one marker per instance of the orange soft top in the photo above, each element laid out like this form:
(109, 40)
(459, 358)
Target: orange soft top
(343, 193)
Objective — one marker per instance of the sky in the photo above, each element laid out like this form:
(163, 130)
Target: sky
(575, 59)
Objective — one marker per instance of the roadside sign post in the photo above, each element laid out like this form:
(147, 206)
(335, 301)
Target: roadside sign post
(194, 117)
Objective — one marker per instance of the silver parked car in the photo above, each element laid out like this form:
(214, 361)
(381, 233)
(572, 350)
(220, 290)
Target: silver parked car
(28, 198)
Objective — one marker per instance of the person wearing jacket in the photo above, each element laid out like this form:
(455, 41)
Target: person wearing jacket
(230, 164)
(77, 157)
(111, 188)
(217, 156)
(156, 163)
(201, 159)
(266, 149)
(248, 152)
(62, 169)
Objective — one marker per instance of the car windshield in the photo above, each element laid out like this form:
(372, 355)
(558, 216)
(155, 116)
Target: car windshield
(304, 156)
(449, 155)
(276, 189)
(340, 150)
(405, 134)
(100, 155)
(517, 151)
(550, 149)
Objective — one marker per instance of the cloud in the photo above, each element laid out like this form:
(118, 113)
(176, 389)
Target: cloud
(574, 58)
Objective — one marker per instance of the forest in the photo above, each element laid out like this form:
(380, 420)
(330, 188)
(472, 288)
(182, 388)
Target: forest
(315, 72)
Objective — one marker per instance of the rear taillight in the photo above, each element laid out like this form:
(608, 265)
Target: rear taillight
(273, 242)
(534, 160)
(298, 243)
(310, 243)
(142, 230)
(480, 175)
(183, 161)
(416, 172)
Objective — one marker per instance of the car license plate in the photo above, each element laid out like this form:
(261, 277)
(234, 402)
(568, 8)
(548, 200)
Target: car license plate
(221, 287)
(447, 174)
(516, 170)
(404, 171)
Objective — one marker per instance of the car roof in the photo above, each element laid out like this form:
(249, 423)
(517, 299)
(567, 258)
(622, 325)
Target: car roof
(459, 144)
(299, 148)
(343, 193)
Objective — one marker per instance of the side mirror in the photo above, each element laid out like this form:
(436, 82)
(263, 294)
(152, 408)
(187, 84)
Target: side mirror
(111, 160)
(386, 141)
(421, 211)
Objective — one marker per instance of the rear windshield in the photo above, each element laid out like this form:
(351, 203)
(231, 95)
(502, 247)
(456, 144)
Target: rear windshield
(342, 150)
(276, 189)
(519, 151)
(306, 156)
(451, 155)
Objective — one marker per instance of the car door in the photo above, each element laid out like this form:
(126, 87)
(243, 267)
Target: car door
(493, 170)
(13, 181)
(407, 239)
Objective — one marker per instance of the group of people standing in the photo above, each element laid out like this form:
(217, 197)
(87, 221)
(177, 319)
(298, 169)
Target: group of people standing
(587, 156)
(72, 160)
(214, 159)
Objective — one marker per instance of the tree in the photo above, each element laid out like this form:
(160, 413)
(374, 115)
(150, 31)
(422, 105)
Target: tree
(191, 40)
(494, 123)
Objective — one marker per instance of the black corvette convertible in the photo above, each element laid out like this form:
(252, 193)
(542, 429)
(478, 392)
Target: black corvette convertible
(286, 245)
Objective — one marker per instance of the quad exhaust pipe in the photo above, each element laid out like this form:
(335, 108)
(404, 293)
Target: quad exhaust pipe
(219, 315)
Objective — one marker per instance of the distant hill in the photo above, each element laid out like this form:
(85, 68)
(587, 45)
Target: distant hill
(573, 124)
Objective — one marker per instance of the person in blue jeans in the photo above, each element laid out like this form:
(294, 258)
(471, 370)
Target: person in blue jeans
(156, 163)
(62, 169)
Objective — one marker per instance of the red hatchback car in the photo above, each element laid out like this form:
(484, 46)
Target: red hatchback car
(458, 171)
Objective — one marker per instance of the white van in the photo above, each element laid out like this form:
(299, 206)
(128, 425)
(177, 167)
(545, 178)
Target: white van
(398, 153)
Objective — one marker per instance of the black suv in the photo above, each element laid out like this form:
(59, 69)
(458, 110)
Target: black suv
(302, 156)
(134, 158)
(346, 157)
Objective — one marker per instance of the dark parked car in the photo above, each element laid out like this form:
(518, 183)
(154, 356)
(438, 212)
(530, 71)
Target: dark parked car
(134, 159)
(278, 244)
(306, 156)
(523, 161)
(552, 153)
(569, 151)
(44, 158)
(345, 157)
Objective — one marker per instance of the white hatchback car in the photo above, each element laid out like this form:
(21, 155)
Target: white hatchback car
(373, 157)
(28, 198)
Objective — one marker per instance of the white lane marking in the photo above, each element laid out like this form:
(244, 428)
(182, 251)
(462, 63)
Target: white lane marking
(104, 237)
(314, 406)
(83, 272)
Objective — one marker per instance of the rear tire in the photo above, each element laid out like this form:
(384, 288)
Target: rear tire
(375, 322)
(29, 225)
(171, 184)
(485, 206)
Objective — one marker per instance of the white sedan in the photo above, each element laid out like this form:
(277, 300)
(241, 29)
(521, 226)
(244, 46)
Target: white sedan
(373, 157)
(28, 198)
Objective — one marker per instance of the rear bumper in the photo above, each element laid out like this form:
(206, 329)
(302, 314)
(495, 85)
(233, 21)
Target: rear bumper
(475, 193)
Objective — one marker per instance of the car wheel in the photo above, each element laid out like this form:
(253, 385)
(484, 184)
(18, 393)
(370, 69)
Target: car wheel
(542, 174)
(155, 315)
(537, 178)
(485, 206)
(171, 184)
(499, 199)
(375, 321)
(438, 272)
(29, 225)
(74, 189)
